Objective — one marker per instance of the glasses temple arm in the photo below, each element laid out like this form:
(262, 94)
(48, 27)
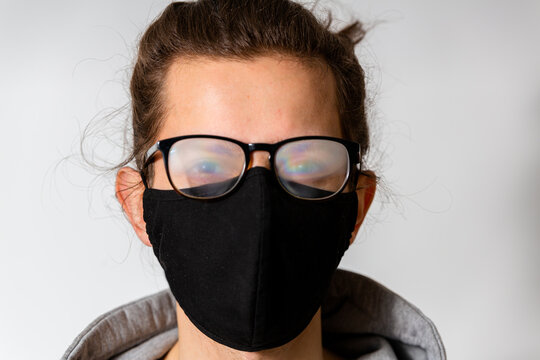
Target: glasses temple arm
(149, 155)
(356, 171)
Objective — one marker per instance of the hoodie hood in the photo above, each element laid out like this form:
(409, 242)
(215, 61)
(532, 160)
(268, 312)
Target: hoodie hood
(360, 318)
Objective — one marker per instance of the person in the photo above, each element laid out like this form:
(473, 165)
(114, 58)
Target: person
(249, 139)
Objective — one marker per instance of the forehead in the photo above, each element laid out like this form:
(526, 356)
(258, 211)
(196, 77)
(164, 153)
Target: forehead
(264, 99)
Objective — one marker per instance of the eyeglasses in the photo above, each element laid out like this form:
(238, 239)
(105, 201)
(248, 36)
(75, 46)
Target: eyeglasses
(209, 166)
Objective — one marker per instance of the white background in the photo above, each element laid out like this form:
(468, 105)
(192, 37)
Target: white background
(456, 121)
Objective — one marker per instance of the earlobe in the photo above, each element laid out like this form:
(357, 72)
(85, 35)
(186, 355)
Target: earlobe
(365, 191)
(129, 190)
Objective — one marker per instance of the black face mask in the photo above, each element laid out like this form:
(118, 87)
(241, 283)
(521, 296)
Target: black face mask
(249, 269)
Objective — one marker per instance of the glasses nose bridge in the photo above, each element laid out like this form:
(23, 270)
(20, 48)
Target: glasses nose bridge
(258, 160)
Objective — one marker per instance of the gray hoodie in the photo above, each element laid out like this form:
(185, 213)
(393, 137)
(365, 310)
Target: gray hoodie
(361, 319)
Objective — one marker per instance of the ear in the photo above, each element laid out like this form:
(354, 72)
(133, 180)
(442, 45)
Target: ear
(365, 191)
(129, 191)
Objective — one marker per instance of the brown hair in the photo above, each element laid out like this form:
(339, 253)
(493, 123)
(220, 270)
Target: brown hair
(241, 30)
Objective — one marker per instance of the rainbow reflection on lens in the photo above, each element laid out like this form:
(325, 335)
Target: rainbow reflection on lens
(315, 163)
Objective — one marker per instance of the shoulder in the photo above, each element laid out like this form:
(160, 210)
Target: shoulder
(144, 326)
(357, 304)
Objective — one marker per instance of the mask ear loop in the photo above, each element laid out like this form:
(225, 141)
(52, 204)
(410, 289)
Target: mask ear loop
(143, 175)
(143, 178)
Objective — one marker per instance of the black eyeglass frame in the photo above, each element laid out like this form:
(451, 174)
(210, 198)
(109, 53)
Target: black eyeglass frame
(164, 146)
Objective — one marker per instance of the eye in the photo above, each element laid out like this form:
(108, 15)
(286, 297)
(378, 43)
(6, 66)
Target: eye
(204, 167)
(304, 167)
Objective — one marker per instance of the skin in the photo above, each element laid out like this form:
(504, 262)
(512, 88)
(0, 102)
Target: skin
(266, 99)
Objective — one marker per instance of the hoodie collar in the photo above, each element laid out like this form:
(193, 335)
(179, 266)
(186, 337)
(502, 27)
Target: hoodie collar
(360, 318)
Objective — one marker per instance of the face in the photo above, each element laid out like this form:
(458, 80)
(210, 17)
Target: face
(266, 99)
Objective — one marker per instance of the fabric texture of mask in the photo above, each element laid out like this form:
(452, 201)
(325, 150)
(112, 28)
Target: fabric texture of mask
(249, 269)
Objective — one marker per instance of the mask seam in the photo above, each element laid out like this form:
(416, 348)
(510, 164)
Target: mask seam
(260, 244)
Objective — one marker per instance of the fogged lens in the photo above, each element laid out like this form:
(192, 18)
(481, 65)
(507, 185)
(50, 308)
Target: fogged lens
(205, 167)
(312, 169)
